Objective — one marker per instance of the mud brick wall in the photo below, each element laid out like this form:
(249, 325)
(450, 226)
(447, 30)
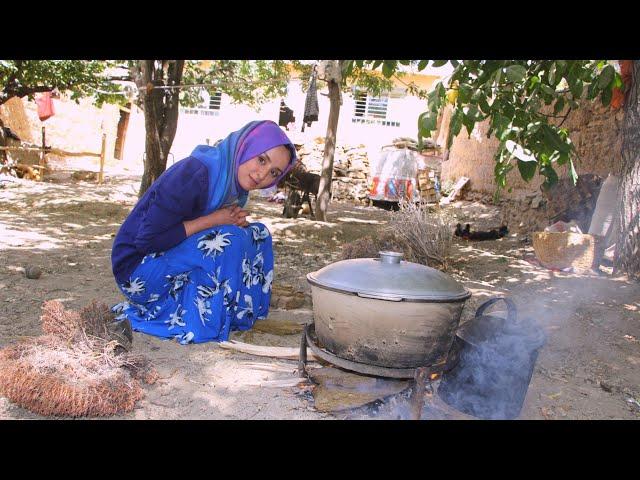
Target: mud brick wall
(595, 130)
(74, 127)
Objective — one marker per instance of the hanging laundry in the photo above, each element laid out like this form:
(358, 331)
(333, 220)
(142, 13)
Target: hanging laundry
(311, 109)
(45, 106)
(619, 94)
(286, 115)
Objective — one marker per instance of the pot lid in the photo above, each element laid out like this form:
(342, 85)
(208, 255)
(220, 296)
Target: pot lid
(389, 278)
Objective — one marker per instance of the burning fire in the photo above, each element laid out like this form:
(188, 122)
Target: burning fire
(434, 376)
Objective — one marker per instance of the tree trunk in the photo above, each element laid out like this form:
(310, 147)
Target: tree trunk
(627, 256)
(324, 189)
(3, 143)
(161, 107)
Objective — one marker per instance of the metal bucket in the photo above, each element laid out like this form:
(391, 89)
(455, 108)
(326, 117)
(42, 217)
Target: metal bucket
(495, 360)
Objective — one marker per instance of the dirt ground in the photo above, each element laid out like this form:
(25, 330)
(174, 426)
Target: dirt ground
(588, 369)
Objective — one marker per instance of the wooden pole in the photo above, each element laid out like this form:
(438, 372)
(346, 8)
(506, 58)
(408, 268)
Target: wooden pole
(103, 153)
(55, 151)
(43, 153)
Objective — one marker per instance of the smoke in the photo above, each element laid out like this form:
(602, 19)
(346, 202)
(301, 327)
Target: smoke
(494, 371)
(557, 314)
(561, 318)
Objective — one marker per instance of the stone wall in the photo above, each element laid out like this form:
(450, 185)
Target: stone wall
(350, 169)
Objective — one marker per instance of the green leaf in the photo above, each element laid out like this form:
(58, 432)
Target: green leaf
(423, 64)
(499, 122)
(469, 122)
(388, 68)
(577, 88)
(465, 93)
(550, 174)
(439, 63)
(563, 158)
(515, 73)
(405, 62)
(572, 172)
(431, 122)
(606, 97)
(472, 111)
(557, 108)
(606, 76)
(593, 91)
(519, 152)
(376, 64)
(617, 81)
(349, 69)
(498, 76)
(527, 169)
(533, 127)
(484, 105)
(534, 81)
(454, 63)
(426, 124)
(547, 89)
(553, 140)
(454, 127)
(433, 101)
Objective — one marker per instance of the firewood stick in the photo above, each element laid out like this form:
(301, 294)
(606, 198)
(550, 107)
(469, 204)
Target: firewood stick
(262, 351)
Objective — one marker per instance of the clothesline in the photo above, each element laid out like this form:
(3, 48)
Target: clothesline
(218, 84)
(191, 85)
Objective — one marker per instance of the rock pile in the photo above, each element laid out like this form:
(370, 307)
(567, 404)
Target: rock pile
(350, 169)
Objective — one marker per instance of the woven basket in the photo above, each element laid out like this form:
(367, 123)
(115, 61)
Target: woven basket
(562, 250)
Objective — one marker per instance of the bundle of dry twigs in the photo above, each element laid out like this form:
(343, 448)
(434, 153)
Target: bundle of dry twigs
(78, 367)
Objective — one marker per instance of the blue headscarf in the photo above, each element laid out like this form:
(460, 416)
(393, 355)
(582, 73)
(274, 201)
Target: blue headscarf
(223, 159)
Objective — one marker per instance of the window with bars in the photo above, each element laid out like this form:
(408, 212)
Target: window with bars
(369, 109)
(210, 105)
(215, 100)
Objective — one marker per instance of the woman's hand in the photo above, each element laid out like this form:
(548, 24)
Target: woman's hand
(232, 215)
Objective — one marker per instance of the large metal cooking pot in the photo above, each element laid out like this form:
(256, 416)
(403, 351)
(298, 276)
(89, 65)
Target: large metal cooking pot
(385, 311)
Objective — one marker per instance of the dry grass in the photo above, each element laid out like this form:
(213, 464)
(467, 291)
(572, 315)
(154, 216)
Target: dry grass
(423, 236)
(369, 246)
(73, 369)
(427, 235)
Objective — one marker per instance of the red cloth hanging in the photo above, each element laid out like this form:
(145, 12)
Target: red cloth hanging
(617, 100)
(45, 106)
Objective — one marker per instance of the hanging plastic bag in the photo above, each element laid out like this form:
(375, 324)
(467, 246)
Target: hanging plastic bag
(45, 106)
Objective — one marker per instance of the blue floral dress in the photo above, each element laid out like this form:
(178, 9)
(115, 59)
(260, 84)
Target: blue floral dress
(212, 283)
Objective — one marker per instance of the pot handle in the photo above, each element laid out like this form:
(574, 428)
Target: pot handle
(381, 296)
(512, 313)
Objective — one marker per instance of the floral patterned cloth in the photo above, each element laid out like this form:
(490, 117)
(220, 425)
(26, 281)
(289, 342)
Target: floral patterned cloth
(214, 282)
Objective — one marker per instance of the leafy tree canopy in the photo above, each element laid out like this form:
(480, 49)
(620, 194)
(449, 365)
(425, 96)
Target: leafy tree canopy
(525, 102)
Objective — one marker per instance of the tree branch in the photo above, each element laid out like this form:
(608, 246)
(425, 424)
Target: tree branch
(565, 117)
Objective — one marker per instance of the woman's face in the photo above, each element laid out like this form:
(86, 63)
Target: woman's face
(261, 171)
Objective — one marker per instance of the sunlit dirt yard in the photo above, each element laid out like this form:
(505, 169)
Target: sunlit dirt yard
(588, 368)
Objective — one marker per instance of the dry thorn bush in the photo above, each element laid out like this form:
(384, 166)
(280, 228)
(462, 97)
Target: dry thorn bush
(74, 369)
(423, 237)
(369, 246)
(427, 235)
